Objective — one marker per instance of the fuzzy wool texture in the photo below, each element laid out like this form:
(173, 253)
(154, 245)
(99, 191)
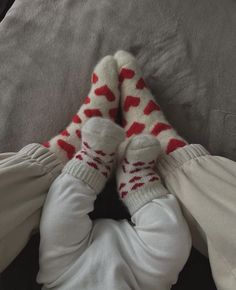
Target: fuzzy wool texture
(140, 111)
(94, 161)
(137, 180)
(102, 101)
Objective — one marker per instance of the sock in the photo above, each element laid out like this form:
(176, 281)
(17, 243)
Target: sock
(141, 113)
(103, 101)
(93, 163)
(137, 181)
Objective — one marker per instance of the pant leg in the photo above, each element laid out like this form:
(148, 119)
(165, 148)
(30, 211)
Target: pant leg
(65, 225)
(25, 178)
(206, 187)
(163, 229)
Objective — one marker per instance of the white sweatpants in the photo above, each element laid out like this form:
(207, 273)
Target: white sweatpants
(153, 251)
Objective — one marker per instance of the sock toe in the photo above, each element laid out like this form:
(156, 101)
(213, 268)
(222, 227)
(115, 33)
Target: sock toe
(143, 147)
(124, 58)
(107, 130)
(107, 65)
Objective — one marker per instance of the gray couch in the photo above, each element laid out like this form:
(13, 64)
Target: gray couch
(186, 49)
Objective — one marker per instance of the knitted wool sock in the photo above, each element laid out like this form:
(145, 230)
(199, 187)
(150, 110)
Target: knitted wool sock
(141, 113)
(103, 100)
(137, 181)
(93, 163)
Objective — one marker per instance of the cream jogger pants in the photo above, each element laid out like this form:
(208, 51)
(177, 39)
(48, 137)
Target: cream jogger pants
(205, 186)
(25, 178)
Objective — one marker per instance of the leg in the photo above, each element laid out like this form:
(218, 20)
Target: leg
(157, 217)
(65, 226)
(25, 179)
(26, 176)
(103, 100)
(140, 111)
(206, 187)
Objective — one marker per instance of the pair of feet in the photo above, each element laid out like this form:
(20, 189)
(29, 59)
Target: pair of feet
(137, 181)
(117, 83)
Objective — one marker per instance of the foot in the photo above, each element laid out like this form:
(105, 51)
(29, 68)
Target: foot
(100, 140)
(137, 180)
(102, 101)
(141, 113)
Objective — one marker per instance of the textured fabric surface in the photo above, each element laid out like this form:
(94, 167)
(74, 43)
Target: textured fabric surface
(186, 48)
(205, 186)
(76, 253)
(25, 179)
(4, 6)
(27, 267)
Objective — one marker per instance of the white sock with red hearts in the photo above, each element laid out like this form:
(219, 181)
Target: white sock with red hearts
(137, 181)
(93, 163)
(141, 113)
(103, 101)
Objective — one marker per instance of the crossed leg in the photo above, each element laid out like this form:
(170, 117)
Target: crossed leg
(205, 185)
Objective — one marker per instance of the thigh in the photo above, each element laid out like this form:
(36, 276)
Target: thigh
(206, 186)
(6, 155)
(25, 178)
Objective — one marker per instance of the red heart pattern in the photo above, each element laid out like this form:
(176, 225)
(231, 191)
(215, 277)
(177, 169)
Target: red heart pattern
(131, 101)
(65, 133)
(135, 129)
(159, 127)
(154, 178)
(76, 119)
(101, 102)
(137, 185)
(105, 91)
(79, 156)
(174, 144)
(126, 73)
(68, 148)
(135, 178)
(151, 106)
(100, 152)
(93, 164)
(121, 186)
(94, 78)
(141, 84)
(141, 118)
(139, 163)
(90, 156)
(143, 105)
(124, 193)
(92, 113)
(87, 100)
(135, 174)
(86, 145)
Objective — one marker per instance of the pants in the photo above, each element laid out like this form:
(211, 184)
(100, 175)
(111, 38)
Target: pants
(25, 178)
(70, 241)
(204, 184)
(206, 188)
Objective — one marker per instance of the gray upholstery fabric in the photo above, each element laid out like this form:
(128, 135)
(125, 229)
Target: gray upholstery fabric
(4, 6)
(186, 49)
